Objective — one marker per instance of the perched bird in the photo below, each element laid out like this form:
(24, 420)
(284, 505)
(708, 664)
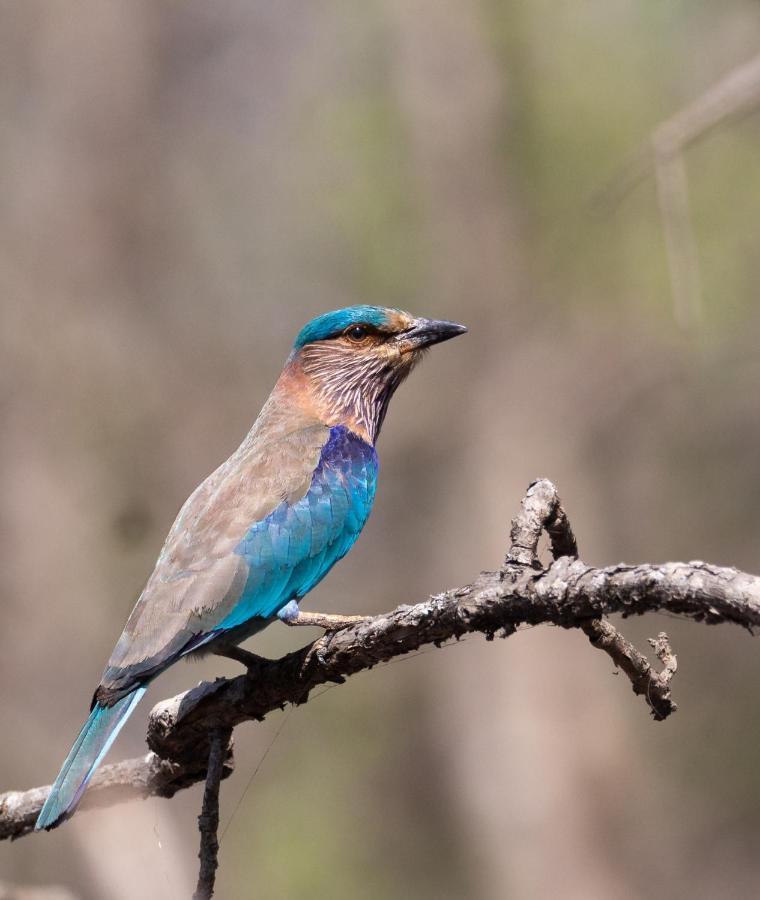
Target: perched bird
(263, 529)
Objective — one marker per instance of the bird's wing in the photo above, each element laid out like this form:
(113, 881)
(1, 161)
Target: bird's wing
(263, 528)
(198, 577)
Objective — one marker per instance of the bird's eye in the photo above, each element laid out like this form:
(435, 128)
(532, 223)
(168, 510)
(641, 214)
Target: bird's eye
(357, 333)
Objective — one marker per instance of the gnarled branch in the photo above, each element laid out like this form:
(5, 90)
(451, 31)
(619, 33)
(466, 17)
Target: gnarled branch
(541, 510)
(567, 593)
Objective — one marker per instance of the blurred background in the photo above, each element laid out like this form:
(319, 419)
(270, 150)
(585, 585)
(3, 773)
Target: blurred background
(184, 185)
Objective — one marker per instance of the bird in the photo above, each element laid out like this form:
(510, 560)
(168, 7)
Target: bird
(267, 525)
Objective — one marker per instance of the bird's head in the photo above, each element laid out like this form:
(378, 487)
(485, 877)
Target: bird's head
(353, 359)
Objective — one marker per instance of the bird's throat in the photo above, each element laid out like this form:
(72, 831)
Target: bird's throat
(338, 389)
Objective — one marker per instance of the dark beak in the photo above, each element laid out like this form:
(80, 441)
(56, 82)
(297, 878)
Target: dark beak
(426, 332)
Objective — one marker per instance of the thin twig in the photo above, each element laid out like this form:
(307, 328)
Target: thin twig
(653, 686)
(208, 820)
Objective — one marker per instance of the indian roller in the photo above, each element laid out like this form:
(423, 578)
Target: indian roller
(267, 526)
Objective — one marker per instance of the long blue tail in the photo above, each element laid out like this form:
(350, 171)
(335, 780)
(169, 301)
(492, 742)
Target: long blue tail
(94, 741)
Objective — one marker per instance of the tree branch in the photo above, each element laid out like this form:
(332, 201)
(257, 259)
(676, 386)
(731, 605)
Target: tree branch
(567, 593)
(138, 778)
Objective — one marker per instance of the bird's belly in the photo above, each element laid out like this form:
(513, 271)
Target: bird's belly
(235, 635)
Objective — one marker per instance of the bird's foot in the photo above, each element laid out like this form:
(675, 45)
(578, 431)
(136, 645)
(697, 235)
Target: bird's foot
(250, 660)
(292, 615)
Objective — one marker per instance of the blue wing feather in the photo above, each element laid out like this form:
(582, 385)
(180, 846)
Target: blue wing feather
(295, 546)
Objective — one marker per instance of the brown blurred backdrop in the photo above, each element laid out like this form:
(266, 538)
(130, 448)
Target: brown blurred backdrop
(183, 185)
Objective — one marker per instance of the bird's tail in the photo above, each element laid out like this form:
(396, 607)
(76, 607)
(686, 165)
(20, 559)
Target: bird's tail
(94, 741)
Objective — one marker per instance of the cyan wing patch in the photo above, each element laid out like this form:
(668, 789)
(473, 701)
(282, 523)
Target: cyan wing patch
(282, 556)
(297, 544)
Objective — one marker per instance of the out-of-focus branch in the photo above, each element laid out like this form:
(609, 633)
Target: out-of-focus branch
(567, 593)
(680, 245)
(23, 892)
(734, 95)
